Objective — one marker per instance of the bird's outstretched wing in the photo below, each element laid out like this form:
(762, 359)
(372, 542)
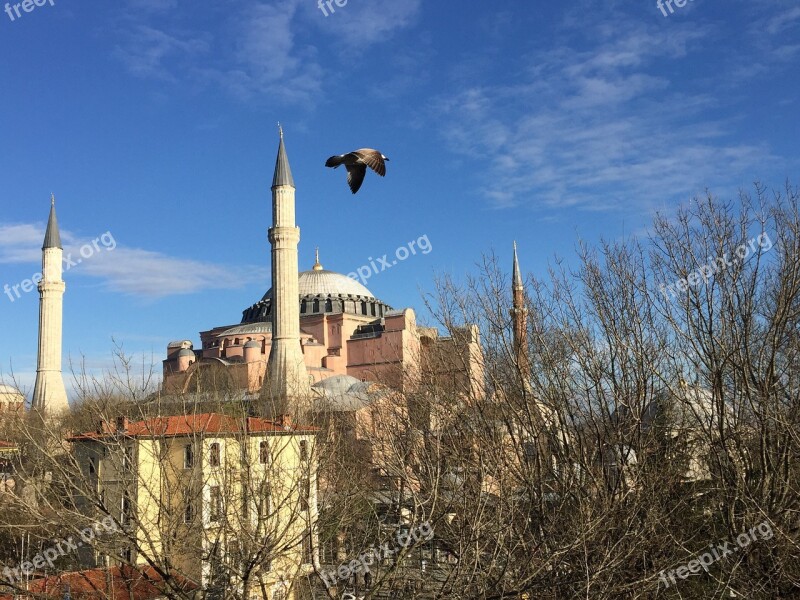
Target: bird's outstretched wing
(355, 176)
(373, 159)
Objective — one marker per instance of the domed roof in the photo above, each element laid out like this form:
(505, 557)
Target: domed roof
(252, 344)
(186, 352)
(327, 283)
(323, 292)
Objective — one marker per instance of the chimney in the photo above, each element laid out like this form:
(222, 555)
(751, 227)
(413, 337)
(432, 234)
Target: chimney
(122, 424)
(285, 421)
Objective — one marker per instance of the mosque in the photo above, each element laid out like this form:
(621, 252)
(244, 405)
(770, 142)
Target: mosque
(321, 329)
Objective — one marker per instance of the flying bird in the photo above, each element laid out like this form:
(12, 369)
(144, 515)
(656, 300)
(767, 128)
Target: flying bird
(356, 163)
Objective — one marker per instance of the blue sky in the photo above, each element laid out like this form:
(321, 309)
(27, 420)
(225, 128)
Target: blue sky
(155, 121)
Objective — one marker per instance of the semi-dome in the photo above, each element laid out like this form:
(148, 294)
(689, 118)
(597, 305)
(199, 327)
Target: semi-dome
(323, 292)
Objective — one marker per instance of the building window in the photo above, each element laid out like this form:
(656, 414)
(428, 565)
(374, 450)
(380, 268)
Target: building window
(92, 466)
(263, 453)
(305, 493)
(188, 510)
(363, 308)
(307, 549)
(264, 501)
(125, 516)
(215, 510)
(214, 456)
(328, 306)
(188, 456)
(304, 450)
(303, 307)
(127, 459)
(316, 306)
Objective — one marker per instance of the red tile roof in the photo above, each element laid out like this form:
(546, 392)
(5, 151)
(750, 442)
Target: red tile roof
(207, 423)
(7, 445)
(102, 584)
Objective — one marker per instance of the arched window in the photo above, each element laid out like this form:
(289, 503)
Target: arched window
(316, 306)
(303, 307)
(328, 305)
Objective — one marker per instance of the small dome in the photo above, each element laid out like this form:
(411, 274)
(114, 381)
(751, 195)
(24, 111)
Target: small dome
(186, 352)
(346, 393)
(252, 344)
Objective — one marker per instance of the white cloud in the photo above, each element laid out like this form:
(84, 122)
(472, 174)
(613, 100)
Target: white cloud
(150, 52)
(603, 122)
(360, 23)
(132, 271)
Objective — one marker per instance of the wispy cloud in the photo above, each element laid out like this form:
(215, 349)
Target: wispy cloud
(131, 271)
(603, 121)
(269, 47)
(360, 23)
(268, 58)
(150, 52)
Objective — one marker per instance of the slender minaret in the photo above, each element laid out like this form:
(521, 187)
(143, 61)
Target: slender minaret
(287, 389)
(519, 315)
(49, 394)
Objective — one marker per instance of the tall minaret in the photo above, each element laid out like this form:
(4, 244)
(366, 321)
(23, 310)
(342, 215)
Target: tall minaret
(49, 394)
(287, 389)
(519, 315)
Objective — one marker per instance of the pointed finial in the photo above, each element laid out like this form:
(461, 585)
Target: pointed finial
(52, 199)
(280, 129)
(517, 276)
(317, 264)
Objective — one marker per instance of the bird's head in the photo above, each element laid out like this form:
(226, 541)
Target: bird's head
(384, 157)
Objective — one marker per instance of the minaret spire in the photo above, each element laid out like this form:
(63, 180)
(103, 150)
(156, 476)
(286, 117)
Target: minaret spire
(283, 173)
(519, 314)
(517, 278)
(49, 393)
(52, 237)
(287, 389)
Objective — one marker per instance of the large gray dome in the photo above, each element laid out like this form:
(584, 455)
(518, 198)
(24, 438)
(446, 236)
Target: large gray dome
(325, 283)
(323, 292)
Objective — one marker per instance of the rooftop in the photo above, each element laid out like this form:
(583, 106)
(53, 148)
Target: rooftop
(99, 584)
(183, 425)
